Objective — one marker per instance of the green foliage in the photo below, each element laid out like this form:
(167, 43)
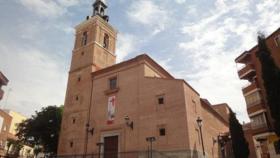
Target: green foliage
(239, 144)
(42, 129)
(37, 150)
(10, 142)
(271, 81)
(14, 147)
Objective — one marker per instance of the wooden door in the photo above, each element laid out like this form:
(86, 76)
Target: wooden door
(111, 146)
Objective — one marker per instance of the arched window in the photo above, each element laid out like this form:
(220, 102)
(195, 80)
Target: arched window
(95, 10)
(102, 11)
(84, 38)
(106, 41)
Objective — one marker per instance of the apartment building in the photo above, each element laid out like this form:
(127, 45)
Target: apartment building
(3, 82)
(254, 93)
(5, 123)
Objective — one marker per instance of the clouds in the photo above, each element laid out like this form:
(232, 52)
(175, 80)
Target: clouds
(194, 40)
(148, 13)
(214, 41)
(35, 52)
(36, 79)
(180, 1)
(127, 43)
(47, 8)
(43, 7)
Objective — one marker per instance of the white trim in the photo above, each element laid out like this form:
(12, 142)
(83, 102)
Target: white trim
(263, 135)
(256, 113)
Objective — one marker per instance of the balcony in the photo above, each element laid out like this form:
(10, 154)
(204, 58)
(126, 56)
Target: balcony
(258, 129)
(1, 94)
(255, 103)
(250, 87)
(247, 72)
(256, 107)
(262, 125)
(243, 58)
(259, 123)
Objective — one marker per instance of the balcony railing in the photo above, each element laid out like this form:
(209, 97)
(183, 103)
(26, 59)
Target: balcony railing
(257, 102)
(259, 123)
(247, 72)
(243, 57)
(262, 125)
(250, 87)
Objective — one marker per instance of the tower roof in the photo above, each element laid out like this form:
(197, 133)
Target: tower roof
(98, 2)
(104, 1)
(99, 8)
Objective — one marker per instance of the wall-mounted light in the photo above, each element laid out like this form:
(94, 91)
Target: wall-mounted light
(214, 141)
(223, 138)
(128, 122)
(199, 122)
(90, 130)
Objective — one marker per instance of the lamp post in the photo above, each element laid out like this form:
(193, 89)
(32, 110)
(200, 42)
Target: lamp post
(199, 123)
(222, 144)
(151, 140)
(223, 139)
(100, 144)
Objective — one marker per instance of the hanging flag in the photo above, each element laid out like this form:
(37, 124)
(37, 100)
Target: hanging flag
(111, 109)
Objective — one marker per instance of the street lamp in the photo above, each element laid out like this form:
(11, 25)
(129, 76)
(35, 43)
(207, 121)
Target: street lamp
(223, 139)
(199, 123)
(151, 140)
(100, 144)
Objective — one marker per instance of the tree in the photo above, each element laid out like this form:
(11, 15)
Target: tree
(15, 145)
(37, 150)
(271, 81)
(10, 142)
(42, 129)
(239, 144)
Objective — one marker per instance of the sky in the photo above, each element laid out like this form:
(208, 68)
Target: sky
(195, 40)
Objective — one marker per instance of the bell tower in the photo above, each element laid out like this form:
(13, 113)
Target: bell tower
(94, 49)
(99, 8)
(95, 40)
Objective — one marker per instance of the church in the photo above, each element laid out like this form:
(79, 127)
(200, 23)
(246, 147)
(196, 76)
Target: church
(133, 109)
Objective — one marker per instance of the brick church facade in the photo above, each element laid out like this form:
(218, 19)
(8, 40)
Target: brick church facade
(113, 108)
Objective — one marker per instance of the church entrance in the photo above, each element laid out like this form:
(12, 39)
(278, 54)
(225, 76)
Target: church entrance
(111, 146)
